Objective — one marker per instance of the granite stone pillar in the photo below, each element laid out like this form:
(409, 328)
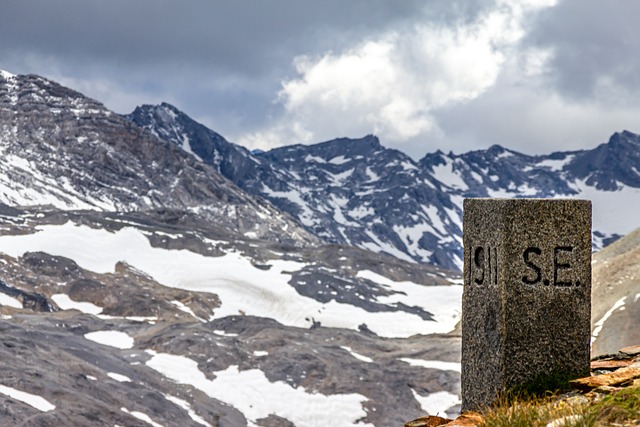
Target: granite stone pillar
(526, 304)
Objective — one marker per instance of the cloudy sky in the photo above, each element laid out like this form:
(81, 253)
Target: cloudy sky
(532, 75)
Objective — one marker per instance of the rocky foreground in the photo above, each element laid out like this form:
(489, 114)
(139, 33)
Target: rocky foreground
(611, 375)
(122, 319)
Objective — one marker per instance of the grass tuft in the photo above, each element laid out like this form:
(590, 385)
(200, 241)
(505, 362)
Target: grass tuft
(621, 408)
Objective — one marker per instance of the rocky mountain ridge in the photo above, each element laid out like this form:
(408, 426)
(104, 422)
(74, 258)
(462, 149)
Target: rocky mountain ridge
(63, 149)
(357, 192)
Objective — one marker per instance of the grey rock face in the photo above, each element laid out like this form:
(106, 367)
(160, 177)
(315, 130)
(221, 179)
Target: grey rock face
(346, 191)
(63, 149)
(527, 294)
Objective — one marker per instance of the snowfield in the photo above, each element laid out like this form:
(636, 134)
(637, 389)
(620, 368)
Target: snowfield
(242, 288)
(251, 392)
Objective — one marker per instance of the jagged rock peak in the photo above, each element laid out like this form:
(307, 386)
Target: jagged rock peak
(164, 112)
(624, 137)
(31, 90)
(343, 148)
(496, 149)
(169, 123)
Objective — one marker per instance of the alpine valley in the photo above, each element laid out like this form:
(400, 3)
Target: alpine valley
(154, 274)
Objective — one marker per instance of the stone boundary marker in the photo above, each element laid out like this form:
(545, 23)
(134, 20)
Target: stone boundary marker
(526, 305)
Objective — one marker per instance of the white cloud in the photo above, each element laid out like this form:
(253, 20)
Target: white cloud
(392, 85)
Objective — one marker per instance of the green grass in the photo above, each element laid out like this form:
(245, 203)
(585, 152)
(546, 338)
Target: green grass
(621, 408)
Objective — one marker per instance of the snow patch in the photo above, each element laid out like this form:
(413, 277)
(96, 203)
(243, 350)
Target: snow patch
(555, 165)
(252, 394)
(224, 334)
(411, 236)
(141, 416)
(119, 377)
(357, 355)
(371, 175)
(434, 364)
(309, 158)
(66, 303)
(35, 401)
(361, 212)
(339, 178)
(115, 339)
(186, 309)
(446, 175)
(9, 301)
(476, 176)
(6, 75)
(185, 405)
(443, 302)
(437, 403)
(376, 245)
(607, 206)
(306, 217)
(339, 160)
(600, 323)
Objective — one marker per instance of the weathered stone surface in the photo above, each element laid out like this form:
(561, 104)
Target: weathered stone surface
(610, 364)
(612, 379)
(632, 350)
(468, 419)
(428, 421)
(527, 294)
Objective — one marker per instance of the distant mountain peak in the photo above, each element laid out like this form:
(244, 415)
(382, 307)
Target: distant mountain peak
(342, 148)
(624, 137)
(366, 143)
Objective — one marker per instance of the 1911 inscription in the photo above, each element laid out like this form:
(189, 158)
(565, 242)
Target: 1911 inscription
(484, 265)
(561, 266)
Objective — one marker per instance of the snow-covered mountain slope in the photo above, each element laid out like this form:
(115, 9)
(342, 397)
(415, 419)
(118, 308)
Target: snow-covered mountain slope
(60, 148)
(155, 322)
(345, 191)
(608, 175)
(357, 192)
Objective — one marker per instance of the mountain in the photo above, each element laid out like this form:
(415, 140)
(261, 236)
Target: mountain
(357, 192)
(149, 276)
(615, 312)
(63, 149)
(139, 286)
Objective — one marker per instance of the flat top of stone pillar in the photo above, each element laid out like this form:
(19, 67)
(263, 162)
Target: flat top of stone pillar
(524, 200)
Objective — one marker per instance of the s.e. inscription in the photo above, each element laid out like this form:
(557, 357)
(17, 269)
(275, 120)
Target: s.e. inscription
(483, 266)
(561, 266)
